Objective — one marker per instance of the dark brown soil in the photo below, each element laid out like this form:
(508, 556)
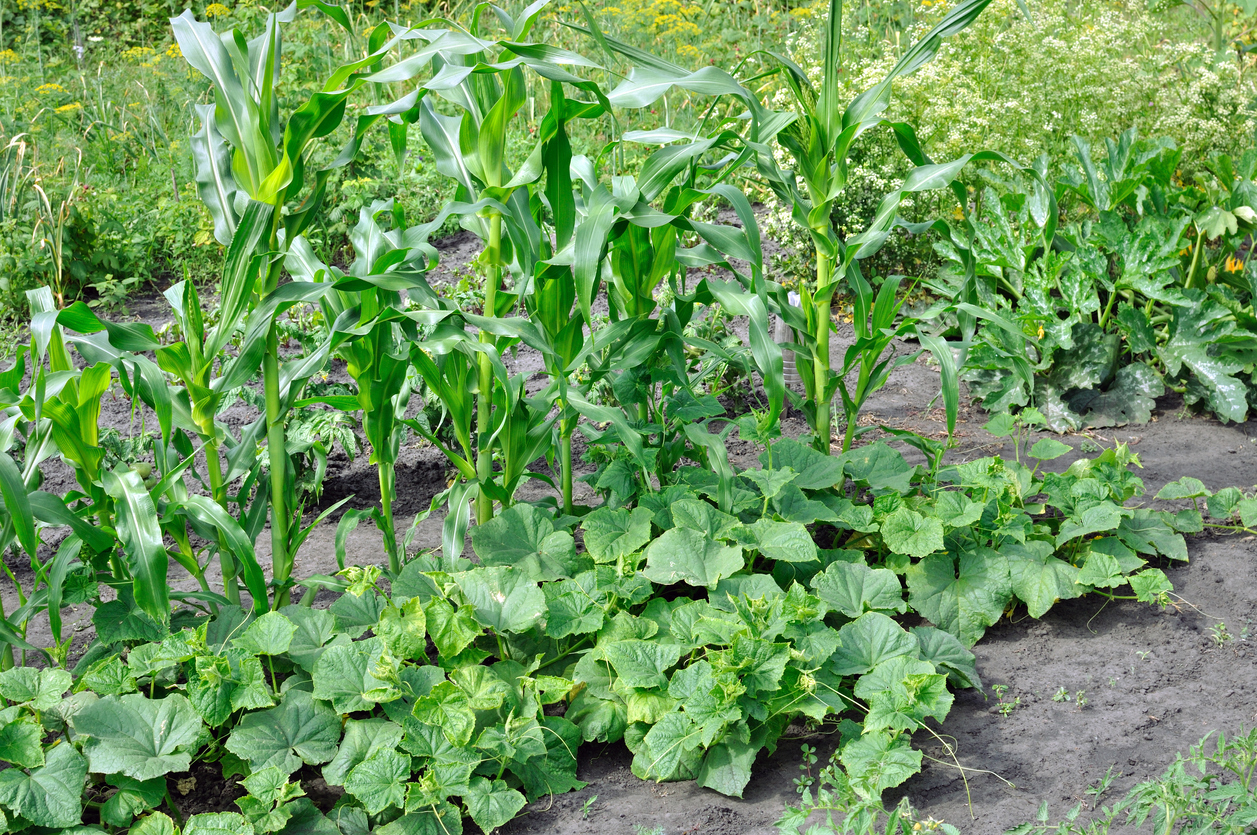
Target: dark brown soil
(1155, 682)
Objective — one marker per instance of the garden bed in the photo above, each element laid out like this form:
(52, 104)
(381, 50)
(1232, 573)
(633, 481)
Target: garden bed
(1154, 682)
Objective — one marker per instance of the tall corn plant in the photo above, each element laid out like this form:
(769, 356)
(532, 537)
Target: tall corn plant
(819, 138)
(245, 154)
(487, 81)
(373, 331)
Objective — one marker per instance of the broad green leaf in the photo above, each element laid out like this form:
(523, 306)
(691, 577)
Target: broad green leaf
(20, 743)
(707, 703)
(868, 641)
(1146, 532)
(1101, 571)
(1038, 578)
(879, 466)
(1185, 488)
(555, 773)
(963, 603)
(670, 750)
(759, 663)
(218, 823)
(573, 607)
(1151, 585)
(1100, 518)
(140, 737)
(1223, 503)
(1048, 449)
(907, 532)
(793, 505)
(451, 629)
(485, 691)
(854, 588)
(613, 534)
(947, 654)
(50, 795)
(769, 482)
(356, 614)
(685, 555)
(301, 730)
(363, 738)
(270, 634)
(727, 766)
(784, 541)
(878, 761)
(403, 629)
(447, 707)
(158, 823)
(524, 537)
(133, 798)
(313, 629)
(109, 677)
(40, 689)
(901, 693)
(492, 803)
(344, 676)
(702, 517)
(378, 781)
(505, 599)
(444, 819)
(813, 470)
(956, 510)
(642, 664)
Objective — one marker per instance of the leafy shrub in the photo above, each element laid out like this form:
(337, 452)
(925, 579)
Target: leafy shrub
(1147, 288)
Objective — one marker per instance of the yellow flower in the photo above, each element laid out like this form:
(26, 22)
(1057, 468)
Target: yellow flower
(216, 10)
(8, 56)
(138, 53)
(69, 108)
(174, 51)
(1234, 265)
(48, 89)
(1040, 331)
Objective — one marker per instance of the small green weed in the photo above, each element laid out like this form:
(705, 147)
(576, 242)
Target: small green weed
(1212, 789)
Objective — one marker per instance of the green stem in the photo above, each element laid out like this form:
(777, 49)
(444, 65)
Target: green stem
(6, 656)
(1108, 308)
(820, 353)
(281, 559)
(388, 486)
(565, 463)
(1191, 273)
(484, 399)
(231, 585)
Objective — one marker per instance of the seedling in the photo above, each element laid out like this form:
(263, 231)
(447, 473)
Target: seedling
(1006, 705)
(1221, 637)
(1062, 695)
(806, 780)
(589, 804)
(1080, 699)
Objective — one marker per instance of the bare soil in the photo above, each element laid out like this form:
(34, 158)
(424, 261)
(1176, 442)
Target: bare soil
(1155, 681)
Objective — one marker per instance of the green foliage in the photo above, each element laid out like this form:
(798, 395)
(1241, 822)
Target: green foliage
(1211, 788)
(1147, 290)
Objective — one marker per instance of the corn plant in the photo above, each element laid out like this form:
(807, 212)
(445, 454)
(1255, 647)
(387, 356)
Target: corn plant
(373, 331)
(487, 81)
(819, 138)
(244, 155)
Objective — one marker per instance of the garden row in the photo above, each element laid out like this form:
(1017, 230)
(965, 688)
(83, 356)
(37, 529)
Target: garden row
(696, 614)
